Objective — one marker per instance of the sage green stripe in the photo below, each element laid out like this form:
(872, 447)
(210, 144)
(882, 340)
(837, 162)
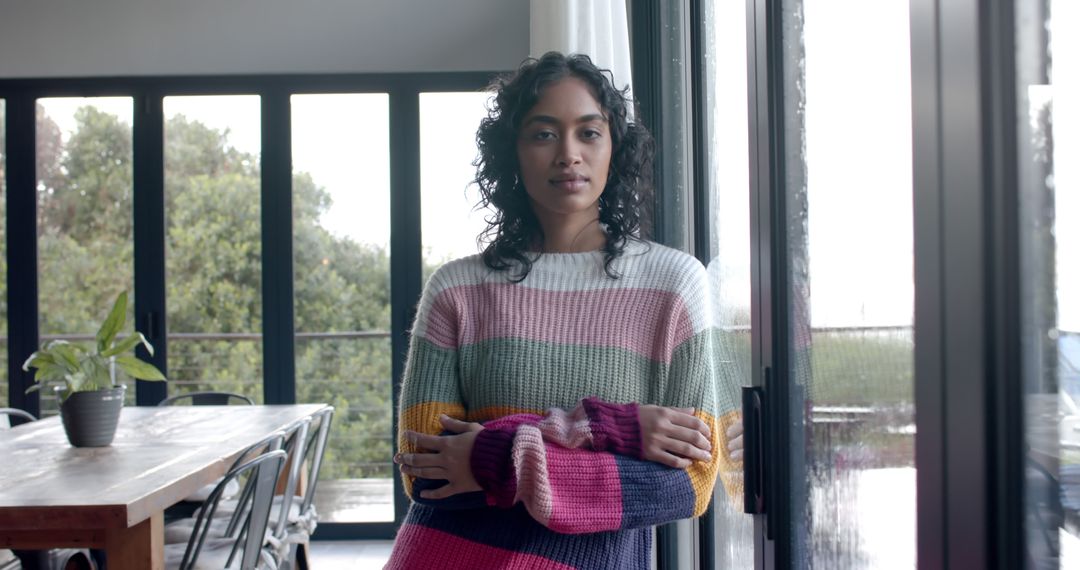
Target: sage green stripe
(430, 374)
(539, 375)
(697, 362)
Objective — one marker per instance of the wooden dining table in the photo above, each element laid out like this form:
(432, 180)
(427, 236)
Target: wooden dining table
(114, 498)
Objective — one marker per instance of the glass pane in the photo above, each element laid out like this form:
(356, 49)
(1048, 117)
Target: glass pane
(729, 268)
(450, 223)
(85, 219)
(3, 257)
(213, 244)
(1048, 125)
(341, 235)
(849, 226)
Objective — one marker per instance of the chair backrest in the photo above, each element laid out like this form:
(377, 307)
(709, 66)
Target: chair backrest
(17, 413)
(271, 442)
(296, 438)
(264, 470)
(315, 452)
(207, 399)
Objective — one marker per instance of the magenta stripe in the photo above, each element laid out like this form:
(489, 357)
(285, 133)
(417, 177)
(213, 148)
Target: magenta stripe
(638, 320)
(419, 547)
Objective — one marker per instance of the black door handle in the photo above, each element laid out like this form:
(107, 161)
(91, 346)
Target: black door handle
(753, 404)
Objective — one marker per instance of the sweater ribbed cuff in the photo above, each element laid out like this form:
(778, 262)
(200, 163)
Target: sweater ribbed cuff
(615, 427)
(492, 465)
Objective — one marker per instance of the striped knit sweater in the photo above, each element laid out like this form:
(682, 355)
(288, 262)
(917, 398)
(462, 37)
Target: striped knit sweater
(553, 367)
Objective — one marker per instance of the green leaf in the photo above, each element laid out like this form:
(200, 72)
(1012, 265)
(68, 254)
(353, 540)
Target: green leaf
(33, 388)
(113, 323)
(138, 369)
(48, 372)
(76, 381)
(37, 360)
(65, 354)
(96, 374)
(127, 344)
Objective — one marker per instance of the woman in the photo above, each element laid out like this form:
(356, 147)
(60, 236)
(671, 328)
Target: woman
(522, 445)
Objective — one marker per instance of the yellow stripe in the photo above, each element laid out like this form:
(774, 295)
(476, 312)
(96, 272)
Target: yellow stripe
(703, 475)
(424, 418)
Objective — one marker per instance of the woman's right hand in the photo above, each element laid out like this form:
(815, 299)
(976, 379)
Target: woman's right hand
(673, 436)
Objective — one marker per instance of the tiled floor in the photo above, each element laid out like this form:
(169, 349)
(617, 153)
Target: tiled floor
(349, 555)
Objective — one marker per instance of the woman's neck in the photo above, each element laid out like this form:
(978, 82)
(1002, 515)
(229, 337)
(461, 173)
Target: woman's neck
(574, 238)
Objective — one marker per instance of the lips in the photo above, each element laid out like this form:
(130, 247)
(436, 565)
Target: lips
(570, 182)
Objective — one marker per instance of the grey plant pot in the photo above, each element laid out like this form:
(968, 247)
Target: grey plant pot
(90, 418)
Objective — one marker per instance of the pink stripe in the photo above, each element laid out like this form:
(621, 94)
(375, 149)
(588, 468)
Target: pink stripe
(420, 547)
(531, 473)
(568, 429)
(585, 489)
(649, 322)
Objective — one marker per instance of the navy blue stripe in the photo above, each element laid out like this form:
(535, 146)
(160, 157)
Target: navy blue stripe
(653, 493)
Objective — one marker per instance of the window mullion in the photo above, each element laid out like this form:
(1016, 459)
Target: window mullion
(22, 279)
(279, 368)
(148, 172)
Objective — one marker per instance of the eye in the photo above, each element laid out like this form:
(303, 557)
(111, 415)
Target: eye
(543, 136)
(589, 134)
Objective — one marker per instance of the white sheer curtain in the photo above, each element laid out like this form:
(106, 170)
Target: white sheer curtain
(597, 28)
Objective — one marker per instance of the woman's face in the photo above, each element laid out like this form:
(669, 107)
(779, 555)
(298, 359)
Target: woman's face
(564, 152)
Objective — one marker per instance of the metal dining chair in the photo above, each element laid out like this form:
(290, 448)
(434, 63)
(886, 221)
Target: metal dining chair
(303, 519)
(209, 398)
(245, 550)
(293, 518)
(17, 413)
(230, 514)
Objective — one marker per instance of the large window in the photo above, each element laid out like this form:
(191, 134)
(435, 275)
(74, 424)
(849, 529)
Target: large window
(213, 250)
(85, 232)
(171, 180)
(849, 298)
(451, 222)
(727, 176)
(1048, 127)
(341, 251)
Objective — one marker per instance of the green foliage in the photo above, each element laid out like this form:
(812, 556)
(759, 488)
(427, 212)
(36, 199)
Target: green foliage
(85, 223)
(214, 268)
(83, 369)
(862, 369)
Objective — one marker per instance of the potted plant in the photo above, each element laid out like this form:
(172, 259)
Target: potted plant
(90, 402)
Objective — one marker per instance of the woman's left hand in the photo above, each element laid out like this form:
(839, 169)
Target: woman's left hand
(445, 457)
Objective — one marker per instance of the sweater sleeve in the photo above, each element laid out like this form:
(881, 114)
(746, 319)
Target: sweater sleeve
(599, 482)
(431, 383)
(593, 425)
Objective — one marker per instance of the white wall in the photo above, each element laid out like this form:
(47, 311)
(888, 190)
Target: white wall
(66, 38)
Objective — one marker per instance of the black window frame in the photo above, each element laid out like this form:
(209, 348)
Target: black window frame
(147, 93)
(968, 374)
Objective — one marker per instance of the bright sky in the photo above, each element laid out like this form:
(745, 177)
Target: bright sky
(343, 141)
(859, 199)
(858, 155)
(1065, 45)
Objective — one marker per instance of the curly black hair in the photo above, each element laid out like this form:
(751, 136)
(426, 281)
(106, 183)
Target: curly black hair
(513, 228)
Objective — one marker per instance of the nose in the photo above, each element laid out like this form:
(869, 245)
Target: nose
(569, 152)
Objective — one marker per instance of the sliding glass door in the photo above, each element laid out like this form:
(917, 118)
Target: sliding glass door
(1048, 142)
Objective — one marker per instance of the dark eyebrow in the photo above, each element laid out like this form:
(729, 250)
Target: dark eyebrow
(548, 119)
